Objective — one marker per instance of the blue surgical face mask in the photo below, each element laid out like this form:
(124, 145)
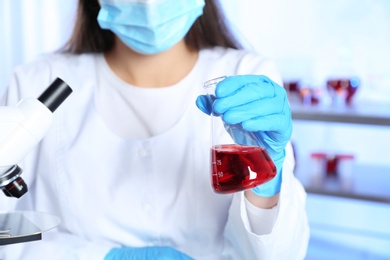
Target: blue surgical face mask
(149, 26)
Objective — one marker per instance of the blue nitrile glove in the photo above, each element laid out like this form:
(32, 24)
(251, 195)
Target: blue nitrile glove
(260, 106)
(145, 253)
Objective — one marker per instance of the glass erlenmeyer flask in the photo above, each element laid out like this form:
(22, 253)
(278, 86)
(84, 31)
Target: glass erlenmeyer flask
(240, 163)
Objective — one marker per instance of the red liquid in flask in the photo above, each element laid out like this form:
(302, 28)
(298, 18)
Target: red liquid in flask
(236, 168)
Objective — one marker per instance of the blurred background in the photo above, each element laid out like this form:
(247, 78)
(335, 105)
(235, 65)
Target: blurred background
(334, 56)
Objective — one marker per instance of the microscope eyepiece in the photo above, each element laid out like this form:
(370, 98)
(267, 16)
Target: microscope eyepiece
(55, 94)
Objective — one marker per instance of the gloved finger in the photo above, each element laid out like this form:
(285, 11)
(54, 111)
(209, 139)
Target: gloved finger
(254, 109)
(231, 84)
(205, 103)
(277, 123)
(246, 94)
(249, 93)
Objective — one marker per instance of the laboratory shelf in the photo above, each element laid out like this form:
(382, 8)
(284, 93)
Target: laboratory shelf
(352, 212)
(367, 182)
(360, 113)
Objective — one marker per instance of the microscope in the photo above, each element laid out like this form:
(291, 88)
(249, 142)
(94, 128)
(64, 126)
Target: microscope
(21, 128)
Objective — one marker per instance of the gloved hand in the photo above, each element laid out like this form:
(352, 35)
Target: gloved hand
(141, 253)
(260, 106)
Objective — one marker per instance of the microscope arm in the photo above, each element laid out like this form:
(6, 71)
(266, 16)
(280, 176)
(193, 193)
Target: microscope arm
(21, 128)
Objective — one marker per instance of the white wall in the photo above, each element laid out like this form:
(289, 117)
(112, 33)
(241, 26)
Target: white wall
(313, 40)
(29, 28)
(307, 38)
(310, 39)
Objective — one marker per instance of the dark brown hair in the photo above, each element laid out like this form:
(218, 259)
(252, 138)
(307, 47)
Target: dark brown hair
(210, 29)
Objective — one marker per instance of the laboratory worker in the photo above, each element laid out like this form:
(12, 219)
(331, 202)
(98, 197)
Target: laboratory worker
(126, 162)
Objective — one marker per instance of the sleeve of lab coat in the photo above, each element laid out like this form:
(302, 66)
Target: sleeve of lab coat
(290, 234)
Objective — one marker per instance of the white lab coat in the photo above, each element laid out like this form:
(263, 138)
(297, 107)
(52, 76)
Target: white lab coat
(112, 192)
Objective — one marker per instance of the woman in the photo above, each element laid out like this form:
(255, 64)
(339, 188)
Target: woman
(126, 164)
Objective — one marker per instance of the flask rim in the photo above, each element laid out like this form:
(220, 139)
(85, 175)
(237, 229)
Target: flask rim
(213, 82)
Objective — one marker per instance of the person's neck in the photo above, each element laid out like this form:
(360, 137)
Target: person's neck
(151, 71)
